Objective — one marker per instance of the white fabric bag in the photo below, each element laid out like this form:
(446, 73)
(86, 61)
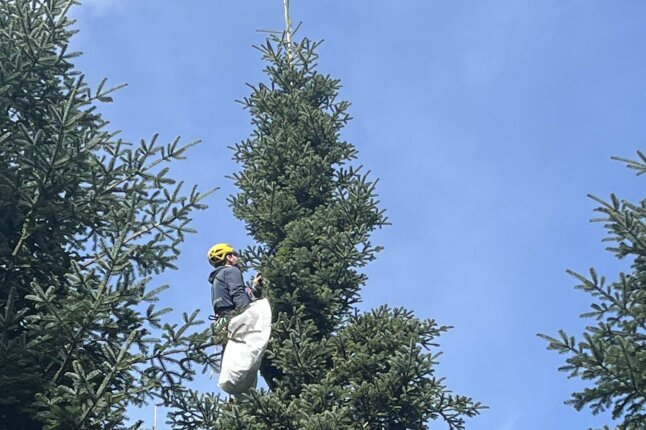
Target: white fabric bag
(248, 337)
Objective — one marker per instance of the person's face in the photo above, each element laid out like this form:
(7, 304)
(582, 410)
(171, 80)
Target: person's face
(232, 259)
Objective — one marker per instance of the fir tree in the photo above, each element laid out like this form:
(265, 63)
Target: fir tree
(85, 220)
(612, 353)
(312, 210)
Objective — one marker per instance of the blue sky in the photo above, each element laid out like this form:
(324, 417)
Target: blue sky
(487, 123)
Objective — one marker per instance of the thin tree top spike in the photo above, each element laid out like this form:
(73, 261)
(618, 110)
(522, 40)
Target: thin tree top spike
(288, 28)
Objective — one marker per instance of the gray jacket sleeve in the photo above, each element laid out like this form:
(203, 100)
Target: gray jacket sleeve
(236, 286)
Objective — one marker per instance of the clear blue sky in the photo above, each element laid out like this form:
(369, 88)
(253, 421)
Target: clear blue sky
(487, 123)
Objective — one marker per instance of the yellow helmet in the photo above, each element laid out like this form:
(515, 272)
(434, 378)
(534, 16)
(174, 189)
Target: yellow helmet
(218, 252)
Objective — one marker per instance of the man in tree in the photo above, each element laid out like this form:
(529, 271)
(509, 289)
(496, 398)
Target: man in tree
(247, 319)
(228, 291)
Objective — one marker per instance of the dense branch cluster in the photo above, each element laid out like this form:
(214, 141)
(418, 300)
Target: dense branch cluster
(85, 220)
(312, 210)
(612, 354)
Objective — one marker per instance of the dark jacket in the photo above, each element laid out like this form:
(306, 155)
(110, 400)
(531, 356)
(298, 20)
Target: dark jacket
(228, 291)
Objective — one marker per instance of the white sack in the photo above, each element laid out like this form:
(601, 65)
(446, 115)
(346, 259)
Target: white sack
(248, 337)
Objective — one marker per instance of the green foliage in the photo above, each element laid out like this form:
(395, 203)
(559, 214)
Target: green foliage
(85, 220)
(312, 211)
(363, 377)
(612, 353)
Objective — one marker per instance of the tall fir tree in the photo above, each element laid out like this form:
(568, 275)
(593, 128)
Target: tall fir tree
(612, 354)
(85, 220)
(312, 210)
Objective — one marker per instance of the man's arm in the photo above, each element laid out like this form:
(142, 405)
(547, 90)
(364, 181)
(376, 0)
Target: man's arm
(237, 287)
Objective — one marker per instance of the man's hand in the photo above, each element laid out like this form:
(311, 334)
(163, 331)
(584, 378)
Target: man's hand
(257, 281)
(257, 285)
